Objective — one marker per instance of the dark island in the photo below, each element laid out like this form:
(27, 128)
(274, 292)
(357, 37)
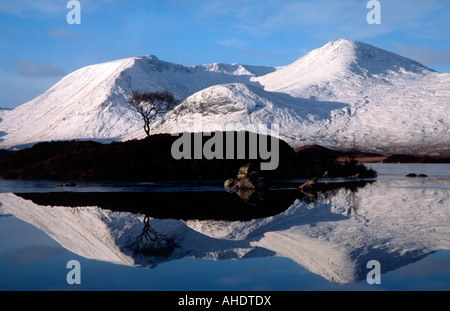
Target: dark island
(151, 159)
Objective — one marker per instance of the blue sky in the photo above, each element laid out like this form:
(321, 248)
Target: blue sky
(39, 47)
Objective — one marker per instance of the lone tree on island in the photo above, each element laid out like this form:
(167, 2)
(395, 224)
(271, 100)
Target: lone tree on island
(150, 105)
(353, 152)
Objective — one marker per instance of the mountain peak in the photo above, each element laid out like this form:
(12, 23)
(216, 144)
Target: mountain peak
(150, 57)
(342, 41)
(342, 60)
(362, 57)
(151, 63)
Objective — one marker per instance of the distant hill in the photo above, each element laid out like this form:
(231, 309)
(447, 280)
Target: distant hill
(319, 152)
(406, 158)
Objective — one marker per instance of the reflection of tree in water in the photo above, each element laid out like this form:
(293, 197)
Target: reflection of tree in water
(328, 191)
(76, 210)
(152, 243)
(353, 201)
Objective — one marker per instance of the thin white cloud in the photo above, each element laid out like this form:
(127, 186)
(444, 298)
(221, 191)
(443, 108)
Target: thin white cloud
(27, 7)
(35, 70)
(49, 8)
(306, 16)
(424, 54)
(65, 34)
(236, 8)
(324, 19)
(233, 43)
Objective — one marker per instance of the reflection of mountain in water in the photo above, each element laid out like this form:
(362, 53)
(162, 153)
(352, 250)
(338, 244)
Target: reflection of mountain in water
(394, 222)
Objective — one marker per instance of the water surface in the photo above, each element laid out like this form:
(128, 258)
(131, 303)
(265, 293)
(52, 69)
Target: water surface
(317, 241)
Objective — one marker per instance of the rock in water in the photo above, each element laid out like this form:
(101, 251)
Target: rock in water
(309, 186)
(230, 183)
(67, 184)
(246, 170)
(416, 175)
(245, 183)
(248, 177)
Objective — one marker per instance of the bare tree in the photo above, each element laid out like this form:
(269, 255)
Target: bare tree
(353, 152)
(152, 243)
(150, 105)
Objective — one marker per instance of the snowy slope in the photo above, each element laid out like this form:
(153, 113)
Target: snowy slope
(238, 106)
(342, 92)
(3, 112)
(395, 222)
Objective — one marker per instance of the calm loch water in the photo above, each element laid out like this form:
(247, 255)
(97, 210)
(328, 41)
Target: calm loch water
(197, 236)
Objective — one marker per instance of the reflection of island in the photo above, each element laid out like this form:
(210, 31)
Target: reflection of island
(394, 222)
(240, 205)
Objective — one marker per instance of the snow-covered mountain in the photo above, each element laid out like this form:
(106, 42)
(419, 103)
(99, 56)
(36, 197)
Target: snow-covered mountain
(90, 102)
(324, 72)
(342, 92)
(3, 111)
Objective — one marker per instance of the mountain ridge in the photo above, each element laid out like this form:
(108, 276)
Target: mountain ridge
(332, 96)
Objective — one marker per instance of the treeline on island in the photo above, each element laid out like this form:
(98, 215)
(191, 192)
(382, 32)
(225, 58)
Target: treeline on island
(151, 159)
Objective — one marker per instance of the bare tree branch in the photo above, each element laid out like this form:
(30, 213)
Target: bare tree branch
(150, 105)
(151, 243)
